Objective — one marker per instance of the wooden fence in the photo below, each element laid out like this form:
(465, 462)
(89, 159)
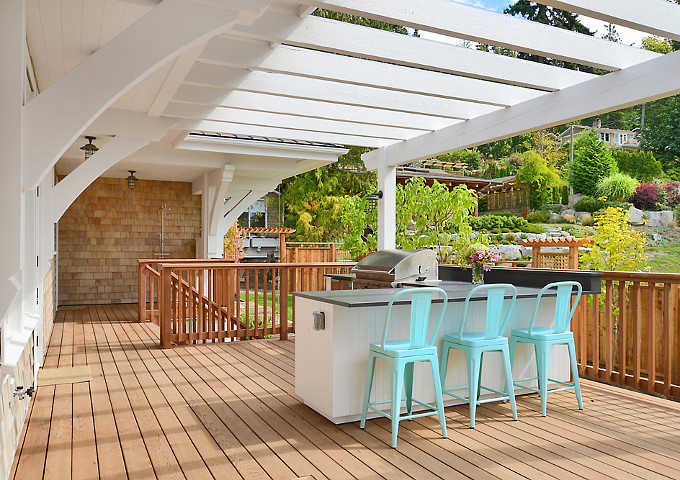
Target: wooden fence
(630, 333)
(196, 301)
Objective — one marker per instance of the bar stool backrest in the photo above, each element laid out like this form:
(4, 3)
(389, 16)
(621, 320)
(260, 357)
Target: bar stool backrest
(563, 312)
(495, 320)
(421, 301)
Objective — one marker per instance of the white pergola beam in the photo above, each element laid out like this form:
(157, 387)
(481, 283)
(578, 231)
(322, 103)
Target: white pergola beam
(657, 17)
(54, 119)
(484, 26)
(219, 76)
(66, 191)
(370, 43)
(261, 102)
(131, 124)
(356, 71)
(266, 119)
(646, 82)
(287, 133)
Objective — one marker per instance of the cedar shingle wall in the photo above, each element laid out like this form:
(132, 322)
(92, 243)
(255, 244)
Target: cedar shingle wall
(109, 227)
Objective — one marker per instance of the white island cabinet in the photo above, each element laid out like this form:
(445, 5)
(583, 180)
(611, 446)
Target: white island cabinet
(330, 362)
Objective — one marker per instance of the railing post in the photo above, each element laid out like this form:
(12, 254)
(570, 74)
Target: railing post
(165, 301)
(283, 298)
(141, 291)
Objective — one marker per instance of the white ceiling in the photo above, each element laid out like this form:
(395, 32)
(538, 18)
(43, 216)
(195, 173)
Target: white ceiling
(283, 73)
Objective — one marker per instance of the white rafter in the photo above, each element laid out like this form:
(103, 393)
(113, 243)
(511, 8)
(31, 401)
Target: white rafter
(370, 43)
(648, 81)
(248, 117)
(657, 17)
(204, 74)
(262, 102)
(472, 23)
(340, 68)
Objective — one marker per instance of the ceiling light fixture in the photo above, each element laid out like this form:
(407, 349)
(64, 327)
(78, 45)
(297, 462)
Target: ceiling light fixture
(89, 148)
(131, 180)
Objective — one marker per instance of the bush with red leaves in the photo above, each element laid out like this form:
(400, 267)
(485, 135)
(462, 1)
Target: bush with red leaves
(672, 190)
(646, 196)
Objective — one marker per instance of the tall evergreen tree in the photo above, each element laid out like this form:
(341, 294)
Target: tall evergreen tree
(553, 17)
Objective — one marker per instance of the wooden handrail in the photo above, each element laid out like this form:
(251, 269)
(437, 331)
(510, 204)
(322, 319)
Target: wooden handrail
(213, 300)
(628, 334)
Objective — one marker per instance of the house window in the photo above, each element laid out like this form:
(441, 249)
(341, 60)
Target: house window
(255, 216)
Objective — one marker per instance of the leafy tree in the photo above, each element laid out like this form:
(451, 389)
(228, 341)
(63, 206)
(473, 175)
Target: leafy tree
(657, 44)
(640, 165)
(611, 34)
(312, 200)
(424, 215)
(540, 177)
(592, 162)
(549, 16)
(662, 131)
(471, 157)
(616, 246)
(366, 22)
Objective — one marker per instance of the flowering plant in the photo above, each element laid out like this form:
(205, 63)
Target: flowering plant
(483, 257)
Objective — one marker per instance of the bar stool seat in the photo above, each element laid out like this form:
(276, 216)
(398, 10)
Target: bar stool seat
(474, 344)
(543, 338)
(401, 355)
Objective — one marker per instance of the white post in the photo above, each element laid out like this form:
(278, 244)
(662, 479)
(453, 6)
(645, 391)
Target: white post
(387, 209)
(12, 38)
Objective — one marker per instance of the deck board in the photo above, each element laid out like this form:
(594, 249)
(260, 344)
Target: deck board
(229, 411)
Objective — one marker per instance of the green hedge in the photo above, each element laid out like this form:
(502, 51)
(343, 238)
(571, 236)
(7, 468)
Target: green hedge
(499, 223)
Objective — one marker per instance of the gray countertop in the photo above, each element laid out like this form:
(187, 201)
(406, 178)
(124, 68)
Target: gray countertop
(457, 291)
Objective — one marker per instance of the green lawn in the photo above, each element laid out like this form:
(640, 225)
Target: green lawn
(269, 301)
(664, 258)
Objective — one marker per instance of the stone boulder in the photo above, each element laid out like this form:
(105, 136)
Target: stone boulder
(568, 211)
(661, 219)
(554, 217)
(575, 198)
(635, 215)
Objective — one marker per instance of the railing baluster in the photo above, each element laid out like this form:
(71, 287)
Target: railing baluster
(256, 305)
(621, 332)
(596, 335)
(668, 339)
(651, 337)
(166, 307)
(283, 324)
(583, 341)
(635, 313)
(141, 291)
(609, 321)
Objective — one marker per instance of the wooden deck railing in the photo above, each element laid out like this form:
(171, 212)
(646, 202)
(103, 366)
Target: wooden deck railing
(196, 301)
(630, 333)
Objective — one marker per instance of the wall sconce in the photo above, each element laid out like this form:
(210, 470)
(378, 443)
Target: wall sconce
(132, 180)
(373, 199)
(89, 148)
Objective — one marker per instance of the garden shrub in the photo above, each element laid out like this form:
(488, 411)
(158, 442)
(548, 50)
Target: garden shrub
(587, 219)
(538, 216)
(618, 187)
(640, 165)
(564, 197)
(569, 218)
(616, 246)
(541, 178)
(646, 196)
(505, 230)
(531, 228)
(592, 162)
(672, 191)
(589, 204)
(499, 238)
(495, 230)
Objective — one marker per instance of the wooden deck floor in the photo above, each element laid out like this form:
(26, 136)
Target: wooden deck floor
(229, 411)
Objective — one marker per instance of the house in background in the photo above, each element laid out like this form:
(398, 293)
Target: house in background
(612, 137)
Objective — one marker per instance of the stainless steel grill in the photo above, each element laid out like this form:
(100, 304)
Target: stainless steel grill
(390, 268)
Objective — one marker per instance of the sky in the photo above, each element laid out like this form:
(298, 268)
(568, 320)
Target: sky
(628, 36)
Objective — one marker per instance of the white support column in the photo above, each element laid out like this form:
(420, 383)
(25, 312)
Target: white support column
(213, 187)
(387, 209)
(12, 73)
(66, 191)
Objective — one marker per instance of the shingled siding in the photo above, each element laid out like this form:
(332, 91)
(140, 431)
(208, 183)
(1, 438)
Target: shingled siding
(109, 227)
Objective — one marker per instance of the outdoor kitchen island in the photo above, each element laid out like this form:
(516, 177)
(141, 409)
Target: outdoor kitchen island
(331, 350)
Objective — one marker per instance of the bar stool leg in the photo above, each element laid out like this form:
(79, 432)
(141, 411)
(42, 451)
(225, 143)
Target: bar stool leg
(473, 359)
(397, 387)
(408, 386)
(367, 388)
(509, 386)
(438, 394)
(543, 367)
(574, 373)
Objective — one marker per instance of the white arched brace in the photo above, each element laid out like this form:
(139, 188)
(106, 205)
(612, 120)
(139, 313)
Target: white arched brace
(54, 119)
(66, 191)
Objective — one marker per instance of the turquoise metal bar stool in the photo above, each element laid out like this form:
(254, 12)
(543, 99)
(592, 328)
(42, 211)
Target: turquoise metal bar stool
(401, 356)
(474, 344)
(543, 338)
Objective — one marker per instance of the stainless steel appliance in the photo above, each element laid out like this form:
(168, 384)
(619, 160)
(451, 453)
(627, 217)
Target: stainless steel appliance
(390, 268)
